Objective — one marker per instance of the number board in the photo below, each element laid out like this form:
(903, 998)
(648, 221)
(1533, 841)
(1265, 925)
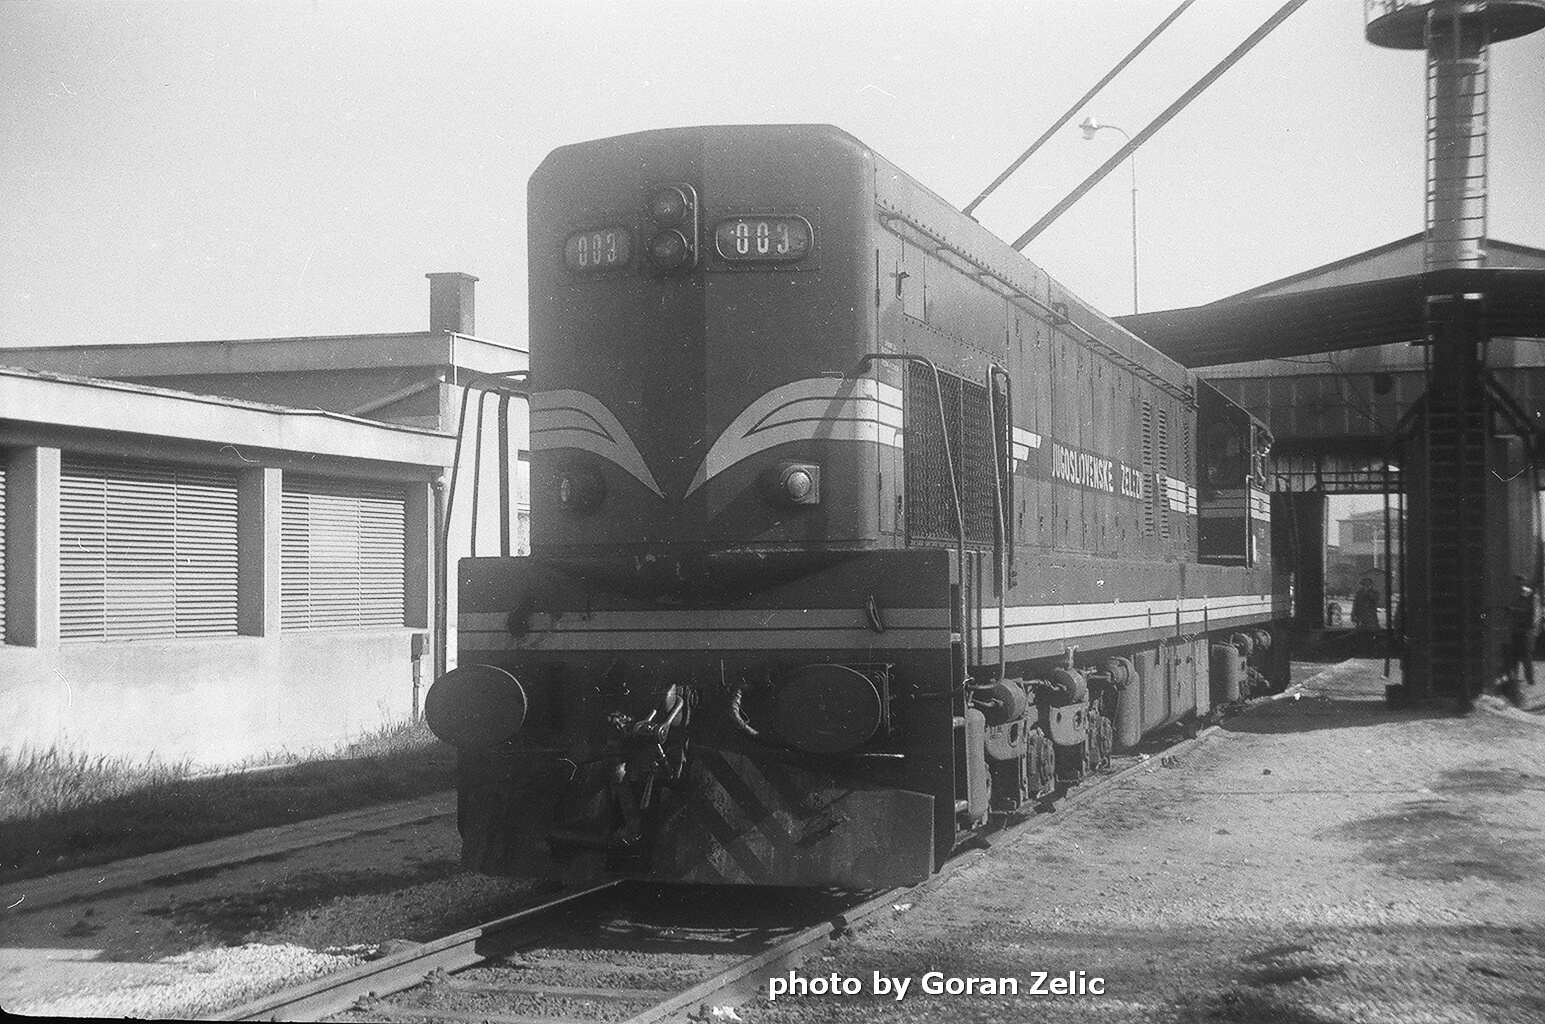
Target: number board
(598, 249)
(763, 239)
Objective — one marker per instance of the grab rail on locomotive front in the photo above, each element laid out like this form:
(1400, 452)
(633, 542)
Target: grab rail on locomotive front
(1003, 496)
(506, 385)
(949, 460)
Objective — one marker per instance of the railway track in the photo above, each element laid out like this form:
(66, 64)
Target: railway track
(621, 951)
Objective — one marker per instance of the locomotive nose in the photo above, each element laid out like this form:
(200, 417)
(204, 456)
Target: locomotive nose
(475, 706)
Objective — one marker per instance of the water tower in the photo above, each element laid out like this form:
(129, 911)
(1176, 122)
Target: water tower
(1458, 549)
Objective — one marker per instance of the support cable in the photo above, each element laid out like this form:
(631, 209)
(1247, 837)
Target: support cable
(1159, 122)
(1076, 107)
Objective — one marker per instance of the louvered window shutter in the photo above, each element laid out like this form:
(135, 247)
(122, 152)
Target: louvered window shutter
(146, 550)
(344, 554)
(2, 548)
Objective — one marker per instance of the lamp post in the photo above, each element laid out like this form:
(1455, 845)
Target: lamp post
(1089, 126)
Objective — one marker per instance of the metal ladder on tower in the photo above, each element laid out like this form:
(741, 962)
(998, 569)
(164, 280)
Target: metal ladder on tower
(1457, 73)
(1457, 419)
(1455, 428)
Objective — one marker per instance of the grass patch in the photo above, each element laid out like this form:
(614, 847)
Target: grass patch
(63, 809)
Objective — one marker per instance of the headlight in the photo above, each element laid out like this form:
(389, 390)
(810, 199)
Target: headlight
(796, 483)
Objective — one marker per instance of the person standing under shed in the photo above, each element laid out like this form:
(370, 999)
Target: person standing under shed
(1365, 606)
(1523, 628)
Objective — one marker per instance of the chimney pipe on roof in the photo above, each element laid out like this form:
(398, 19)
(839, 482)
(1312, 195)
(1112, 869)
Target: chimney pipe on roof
(450, 302)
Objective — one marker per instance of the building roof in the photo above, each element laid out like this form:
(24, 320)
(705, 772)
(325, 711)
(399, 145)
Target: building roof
(1274, 325)
(1400, 258)
(249, 355)
(29, 396)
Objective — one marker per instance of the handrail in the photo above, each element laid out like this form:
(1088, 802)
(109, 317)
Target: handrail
(503, 383)
(1050, 314)
(1002, 473)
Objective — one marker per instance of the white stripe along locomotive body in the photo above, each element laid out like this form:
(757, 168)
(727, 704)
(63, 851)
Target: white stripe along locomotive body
(851, 529)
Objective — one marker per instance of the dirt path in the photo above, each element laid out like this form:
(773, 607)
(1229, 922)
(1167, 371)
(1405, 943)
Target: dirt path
(1316, 860)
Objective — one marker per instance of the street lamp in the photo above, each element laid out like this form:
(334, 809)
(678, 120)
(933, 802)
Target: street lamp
(1089, 126)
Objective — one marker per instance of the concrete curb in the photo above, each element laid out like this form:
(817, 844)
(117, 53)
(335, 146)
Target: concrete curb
(1530, 712)
(29, 894)
(1503, 708)
(1344, 667)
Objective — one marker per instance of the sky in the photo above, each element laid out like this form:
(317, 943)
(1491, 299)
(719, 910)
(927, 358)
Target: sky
(224, 170)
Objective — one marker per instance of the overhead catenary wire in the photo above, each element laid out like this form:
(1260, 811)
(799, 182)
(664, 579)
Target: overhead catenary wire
(1153, 126)
(1077, 105)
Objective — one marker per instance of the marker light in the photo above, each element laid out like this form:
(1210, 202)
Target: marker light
(673, 210)
(669, 206)
(668, 249)
(580, 489)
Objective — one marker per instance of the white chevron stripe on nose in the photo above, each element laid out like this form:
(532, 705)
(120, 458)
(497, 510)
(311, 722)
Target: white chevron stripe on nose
(816, 408)
(565, 418)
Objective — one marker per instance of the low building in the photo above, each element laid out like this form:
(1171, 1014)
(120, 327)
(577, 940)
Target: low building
(414, 378)
(204, 577)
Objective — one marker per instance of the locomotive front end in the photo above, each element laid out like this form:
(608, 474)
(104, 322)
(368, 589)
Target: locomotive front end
(852, 529)
(711, 668)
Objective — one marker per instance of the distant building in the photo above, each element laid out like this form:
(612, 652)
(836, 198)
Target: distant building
(1363, 541)
(1361, 552)
(339, 410)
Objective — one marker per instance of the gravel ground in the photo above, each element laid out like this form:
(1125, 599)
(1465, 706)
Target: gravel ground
(1316, 860)
(218, 937)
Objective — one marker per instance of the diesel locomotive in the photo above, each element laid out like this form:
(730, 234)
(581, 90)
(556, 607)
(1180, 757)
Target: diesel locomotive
(853, 533)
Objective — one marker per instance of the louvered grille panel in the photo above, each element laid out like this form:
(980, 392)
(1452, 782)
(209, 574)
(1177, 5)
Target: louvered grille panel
(975, 455)
(1184, 523)
(1160, 501)
(146, 550)
(929, 510)
(1150, 492)
(344, 555)
(930, 501)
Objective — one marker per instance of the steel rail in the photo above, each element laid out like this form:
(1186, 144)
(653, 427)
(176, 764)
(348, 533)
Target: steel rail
(743, 979)
(338, 992)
